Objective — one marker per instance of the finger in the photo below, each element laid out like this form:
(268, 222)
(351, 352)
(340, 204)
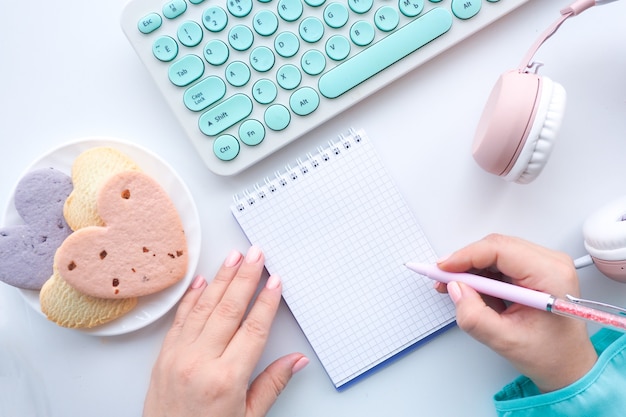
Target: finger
(194, 292)
(528, 264)
(440, 287)
(200, 311)
(474, 316)
(248, 343)
(268, 385)
(229, 311)
(480, 255)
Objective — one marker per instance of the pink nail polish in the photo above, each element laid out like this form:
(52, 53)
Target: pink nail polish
(272, 282)
(300, 364)
(232, 259)
(198, 282)
(443, 259)
(454, 290)
(253, 255)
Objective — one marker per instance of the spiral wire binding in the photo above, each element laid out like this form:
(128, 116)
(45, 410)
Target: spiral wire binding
(303, 166)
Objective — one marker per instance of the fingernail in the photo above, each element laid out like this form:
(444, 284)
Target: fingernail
(454, 290)
(232, 259)
(443, 259)
(198, 282)
(272, 282)
(300, 364)
(253, 255)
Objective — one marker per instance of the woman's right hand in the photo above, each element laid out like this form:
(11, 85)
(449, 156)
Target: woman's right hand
(553, 351)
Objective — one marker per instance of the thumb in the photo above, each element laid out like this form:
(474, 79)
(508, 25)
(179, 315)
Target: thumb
(474, 316)
(268, 385)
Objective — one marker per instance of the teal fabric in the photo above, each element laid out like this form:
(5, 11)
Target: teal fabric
(600, 393)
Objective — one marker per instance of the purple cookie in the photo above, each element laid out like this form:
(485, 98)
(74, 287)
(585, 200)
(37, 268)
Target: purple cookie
(27, 251)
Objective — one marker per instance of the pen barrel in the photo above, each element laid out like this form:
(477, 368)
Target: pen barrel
(578, 311)
(506, 291)
(487, 286)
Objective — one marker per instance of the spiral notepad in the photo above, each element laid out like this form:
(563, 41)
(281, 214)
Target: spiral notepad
(337, 231)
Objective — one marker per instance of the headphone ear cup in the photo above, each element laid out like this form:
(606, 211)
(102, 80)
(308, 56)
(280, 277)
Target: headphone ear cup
(519, 126)
(604, 233)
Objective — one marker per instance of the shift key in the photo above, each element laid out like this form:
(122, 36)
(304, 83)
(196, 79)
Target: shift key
(226, 114)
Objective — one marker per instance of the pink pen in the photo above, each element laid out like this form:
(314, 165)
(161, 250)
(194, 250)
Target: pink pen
(572, 307)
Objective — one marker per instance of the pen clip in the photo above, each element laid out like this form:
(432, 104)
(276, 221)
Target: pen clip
(596, 304)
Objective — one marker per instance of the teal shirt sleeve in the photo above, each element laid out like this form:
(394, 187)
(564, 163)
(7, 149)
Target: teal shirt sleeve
(600, 393)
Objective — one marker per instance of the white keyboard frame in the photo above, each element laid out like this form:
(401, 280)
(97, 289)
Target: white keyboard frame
(299, 125)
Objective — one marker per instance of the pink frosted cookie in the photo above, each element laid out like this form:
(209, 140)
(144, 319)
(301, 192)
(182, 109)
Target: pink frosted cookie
(27, 251)
(141, 250)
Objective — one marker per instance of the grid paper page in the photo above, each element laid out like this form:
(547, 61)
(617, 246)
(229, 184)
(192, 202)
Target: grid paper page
(337, 232)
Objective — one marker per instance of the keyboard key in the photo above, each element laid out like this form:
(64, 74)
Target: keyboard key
(214, 19)
(385, 52)
(264, 91)
(216, 52)
(288, 76)
(165, 48)
(226, 114)
(251, 132)
(337, 47)
(311, 29)
(265, 23)
(277, 117)
(237, 74)
(411, 8)
(186, 70)
(190, 34)
(205, 93)
(240, 37)
(262, 58)
(362, 33)
(386, 18)
(336, 15)
(304, 101)
(174, 8)
(286, 44)
(464, 9)
(149, 23)
(361, 6)
(313, 62)
(290, 10)
(226, 147)
(239, 8)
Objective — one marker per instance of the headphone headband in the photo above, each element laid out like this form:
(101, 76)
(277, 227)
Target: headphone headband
(573, 9)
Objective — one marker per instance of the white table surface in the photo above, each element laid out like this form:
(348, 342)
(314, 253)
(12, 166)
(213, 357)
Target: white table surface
(68, 72)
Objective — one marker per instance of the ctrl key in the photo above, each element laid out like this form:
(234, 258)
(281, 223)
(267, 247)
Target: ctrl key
(226, 147)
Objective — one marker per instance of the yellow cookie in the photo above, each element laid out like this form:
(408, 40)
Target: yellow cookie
(67, 307)
(89, 170)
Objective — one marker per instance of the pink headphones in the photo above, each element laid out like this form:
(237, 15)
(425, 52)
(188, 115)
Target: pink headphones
(521, 119)
(515, 136)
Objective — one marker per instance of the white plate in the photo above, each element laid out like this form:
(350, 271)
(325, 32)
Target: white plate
(151, 307)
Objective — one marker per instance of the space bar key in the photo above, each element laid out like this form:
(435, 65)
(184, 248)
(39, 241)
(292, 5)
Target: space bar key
(385, 52)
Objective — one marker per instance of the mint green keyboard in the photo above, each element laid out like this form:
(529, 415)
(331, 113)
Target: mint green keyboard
(247, 77)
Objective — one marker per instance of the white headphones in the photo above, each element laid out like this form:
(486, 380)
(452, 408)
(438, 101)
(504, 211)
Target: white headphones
(604, 234)
(523, 114)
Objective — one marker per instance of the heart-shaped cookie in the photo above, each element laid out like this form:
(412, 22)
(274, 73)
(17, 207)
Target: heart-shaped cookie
(141, 250)
(27, 251)
(89, 170)
(67, 307)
